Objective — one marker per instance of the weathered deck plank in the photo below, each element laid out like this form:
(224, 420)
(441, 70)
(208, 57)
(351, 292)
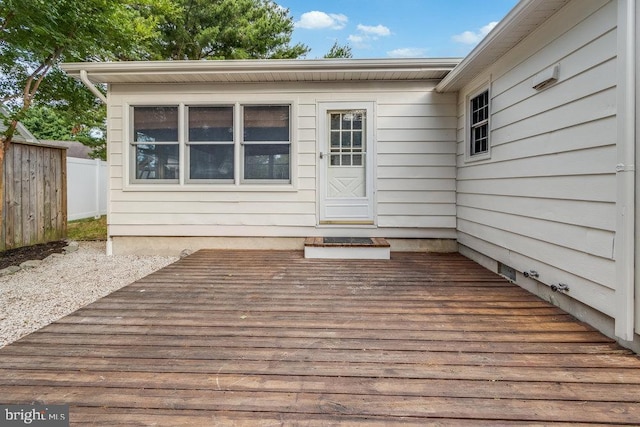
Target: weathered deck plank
(263, 338)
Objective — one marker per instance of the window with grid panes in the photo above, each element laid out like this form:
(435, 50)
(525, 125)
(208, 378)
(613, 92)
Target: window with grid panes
(347, 136)
(479, 124)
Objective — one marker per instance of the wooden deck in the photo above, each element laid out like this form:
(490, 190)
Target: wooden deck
(261, 338)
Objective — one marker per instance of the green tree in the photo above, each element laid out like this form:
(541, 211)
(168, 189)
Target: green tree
(59, 123)
(338, 51)
(46, 123)
(226, 29)
(36, 35)
(122, 30)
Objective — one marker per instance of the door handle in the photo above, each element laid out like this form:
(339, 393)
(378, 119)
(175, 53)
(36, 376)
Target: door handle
(321, 155)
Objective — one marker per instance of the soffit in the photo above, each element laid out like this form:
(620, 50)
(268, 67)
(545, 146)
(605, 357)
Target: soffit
(520, 22)
(259, 71)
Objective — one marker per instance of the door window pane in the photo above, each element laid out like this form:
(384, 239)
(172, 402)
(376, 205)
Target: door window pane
(335, 139)
(357, 139)
(346, 121)
(335, 122)
(357, 120)
(346, 139)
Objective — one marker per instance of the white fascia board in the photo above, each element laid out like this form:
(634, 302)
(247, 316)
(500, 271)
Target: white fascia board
(107, 72)
(509, 23)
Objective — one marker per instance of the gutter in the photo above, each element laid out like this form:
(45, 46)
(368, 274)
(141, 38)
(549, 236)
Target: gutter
(624, 254)
(84, 77)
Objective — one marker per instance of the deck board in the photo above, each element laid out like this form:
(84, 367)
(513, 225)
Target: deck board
(264, 338)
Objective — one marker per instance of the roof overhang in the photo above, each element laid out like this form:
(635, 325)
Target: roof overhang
(521, 21)
(258, 71)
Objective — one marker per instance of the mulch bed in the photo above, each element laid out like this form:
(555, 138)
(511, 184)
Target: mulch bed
(20, 255)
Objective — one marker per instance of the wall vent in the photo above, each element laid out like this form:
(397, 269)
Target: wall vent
(545, 78)
(506, 271)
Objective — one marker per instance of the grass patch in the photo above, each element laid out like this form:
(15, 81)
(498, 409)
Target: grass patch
(88, 229)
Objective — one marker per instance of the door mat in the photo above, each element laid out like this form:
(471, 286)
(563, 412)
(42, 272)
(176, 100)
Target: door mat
(348, 241)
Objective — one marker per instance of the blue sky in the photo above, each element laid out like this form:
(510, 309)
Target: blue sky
(394, 28)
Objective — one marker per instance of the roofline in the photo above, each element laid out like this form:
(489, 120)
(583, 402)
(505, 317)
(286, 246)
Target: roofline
(22, 130)
(259, 66)
(451, 81)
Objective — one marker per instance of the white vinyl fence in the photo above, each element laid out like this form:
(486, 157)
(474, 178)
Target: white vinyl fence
(86, 188)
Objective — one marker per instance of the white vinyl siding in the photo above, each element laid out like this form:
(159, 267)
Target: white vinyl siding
(415, 172)
(416, 161)
(545, 201)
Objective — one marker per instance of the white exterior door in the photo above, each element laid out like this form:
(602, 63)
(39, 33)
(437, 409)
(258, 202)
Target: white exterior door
(346, 159)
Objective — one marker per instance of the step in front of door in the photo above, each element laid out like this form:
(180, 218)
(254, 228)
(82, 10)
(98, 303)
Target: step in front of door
(347, 248)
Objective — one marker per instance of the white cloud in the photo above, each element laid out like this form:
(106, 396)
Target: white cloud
(471, 37)
(368, 33)
(316, 20)
(358, 41)
(407, 52)
(378, 30)
(353, 38)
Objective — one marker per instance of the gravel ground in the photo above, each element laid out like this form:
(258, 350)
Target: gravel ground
(31, 299)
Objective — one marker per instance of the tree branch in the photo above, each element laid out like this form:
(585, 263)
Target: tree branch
(6, 23)
(31, 86)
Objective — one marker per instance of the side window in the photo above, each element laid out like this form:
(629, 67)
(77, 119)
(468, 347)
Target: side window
(479, 124)
(266, 143)
(154, 143)
(210, 143)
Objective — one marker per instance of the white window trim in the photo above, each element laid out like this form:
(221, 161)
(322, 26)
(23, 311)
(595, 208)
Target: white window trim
(131, 147)
(242, 143)
(187, 144)
(129, 184)
(469, 157)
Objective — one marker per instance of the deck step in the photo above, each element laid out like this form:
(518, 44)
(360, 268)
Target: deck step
(347, 248)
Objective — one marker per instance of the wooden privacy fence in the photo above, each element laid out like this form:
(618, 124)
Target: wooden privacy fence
(35, 195)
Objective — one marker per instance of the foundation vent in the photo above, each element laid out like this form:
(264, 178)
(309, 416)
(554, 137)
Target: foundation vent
(506, 271)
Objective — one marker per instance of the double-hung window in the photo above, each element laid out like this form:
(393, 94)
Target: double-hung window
(210, 144)
(155, 145)
(479, 124)
(266, 143)
(231, 144)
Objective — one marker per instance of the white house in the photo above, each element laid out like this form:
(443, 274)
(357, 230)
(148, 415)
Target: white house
(219, 153)
(521, 156)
